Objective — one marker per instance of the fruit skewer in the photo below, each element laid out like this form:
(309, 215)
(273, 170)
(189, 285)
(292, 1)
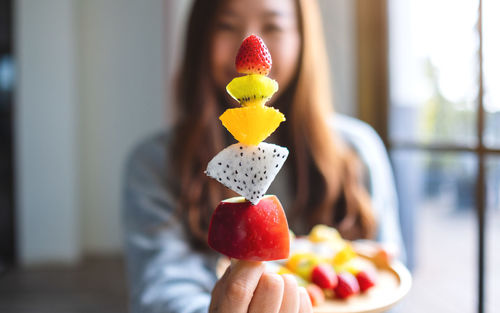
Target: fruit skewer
(254, 226)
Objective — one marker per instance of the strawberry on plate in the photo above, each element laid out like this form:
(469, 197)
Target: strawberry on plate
(366, 279)
(324, 276)
(253, 57)
(347, 285)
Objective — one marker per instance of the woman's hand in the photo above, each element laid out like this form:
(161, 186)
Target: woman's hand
(245, 287)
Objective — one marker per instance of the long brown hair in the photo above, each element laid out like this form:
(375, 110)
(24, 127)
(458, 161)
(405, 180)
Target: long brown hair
(328, 184)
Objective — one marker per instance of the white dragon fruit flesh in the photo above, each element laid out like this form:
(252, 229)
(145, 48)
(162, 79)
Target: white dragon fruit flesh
(248, 170)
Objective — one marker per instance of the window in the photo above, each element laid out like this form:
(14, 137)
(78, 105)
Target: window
(441, 122)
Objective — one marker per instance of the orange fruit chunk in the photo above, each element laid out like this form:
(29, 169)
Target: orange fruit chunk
(252, 124)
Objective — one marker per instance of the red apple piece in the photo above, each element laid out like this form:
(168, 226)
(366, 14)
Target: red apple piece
(241, 230)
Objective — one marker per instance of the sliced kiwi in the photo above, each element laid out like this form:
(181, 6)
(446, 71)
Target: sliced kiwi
(252, 89)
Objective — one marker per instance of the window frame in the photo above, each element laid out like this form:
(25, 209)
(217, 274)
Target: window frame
(372, 25)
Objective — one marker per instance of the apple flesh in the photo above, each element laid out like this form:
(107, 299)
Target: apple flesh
(242, 230)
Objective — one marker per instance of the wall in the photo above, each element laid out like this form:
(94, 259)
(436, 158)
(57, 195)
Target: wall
(91, 85)
(340, 32)
(122, 86)
(46, 124)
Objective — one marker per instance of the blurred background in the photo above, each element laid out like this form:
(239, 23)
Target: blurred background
(82, 81)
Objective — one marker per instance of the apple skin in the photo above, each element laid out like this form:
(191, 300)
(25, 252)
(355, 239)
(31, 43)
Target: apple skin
(245, 231)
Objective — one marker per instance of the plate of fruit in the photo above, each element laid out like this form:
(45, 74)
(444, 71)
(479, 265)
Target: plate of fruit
(341, 276)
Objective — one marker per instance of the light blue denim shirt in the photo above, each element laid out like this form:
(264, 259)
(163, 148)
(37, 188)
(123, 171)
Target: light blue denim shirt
(165, 274)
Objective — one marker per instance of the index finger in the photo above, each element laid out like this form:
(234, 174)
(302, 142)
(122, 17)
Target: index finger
(240, 286)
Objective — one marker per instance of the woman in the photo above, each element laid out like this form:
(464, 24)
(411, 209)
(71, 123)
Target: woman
(169, 200)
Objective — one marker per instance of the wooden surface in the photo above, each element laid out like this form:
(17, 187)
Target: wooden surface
(97, 285)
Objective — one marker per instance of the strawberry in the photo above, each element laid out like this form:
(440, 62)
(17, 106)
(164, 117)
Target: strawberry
(253, 57)
(324, 276)
(366, 279)
(316, 295)
(347, 285)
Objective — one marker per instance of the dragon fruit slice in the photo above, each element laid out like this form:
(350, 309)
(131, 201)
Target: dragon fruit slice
(248, 170)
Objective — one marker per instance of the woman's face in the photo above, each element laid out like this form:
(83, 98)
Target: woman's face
(275, 21)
